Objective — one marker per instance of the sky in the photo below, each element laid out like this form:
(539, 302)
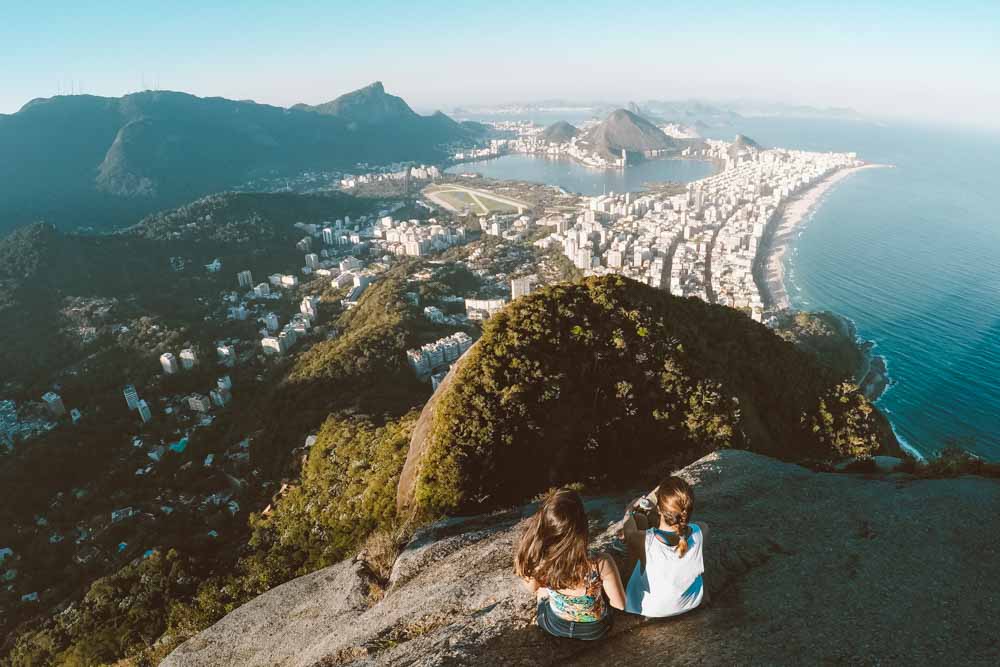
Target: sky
(926, 61)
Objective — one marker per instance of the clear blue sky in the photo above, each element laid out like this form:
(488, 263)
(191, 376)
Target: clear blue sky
(887, 58)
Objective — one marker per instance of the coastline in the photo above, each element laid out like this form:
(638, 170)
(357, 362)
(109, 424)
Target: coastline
(782, 234)
(872, 376)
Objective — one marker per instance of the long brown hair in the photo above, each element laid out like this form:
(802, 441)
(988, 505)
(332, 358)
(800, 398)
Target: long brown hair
(675, 503)
(553, 547)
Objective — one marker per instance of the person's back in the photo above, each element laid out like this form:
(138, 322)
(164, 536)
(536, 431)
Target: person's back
(667, 579)
(570, 583)
(670, 584)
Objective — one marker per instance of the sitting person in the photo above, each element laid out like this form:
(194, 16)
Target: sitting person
(667, 579)
(569, 583)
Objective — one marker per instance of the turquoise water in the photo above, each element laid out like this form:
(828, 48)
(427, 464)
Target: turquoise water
(574, 177)
(912, 256)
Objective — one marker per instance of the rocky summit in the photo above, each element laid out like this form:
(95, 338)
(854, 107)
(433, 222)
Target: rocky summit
(860, 568)
(625, 130)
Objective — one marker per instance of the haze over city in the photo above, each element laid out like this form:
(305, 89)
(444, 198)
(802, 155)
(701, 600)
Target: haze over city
(881, 61)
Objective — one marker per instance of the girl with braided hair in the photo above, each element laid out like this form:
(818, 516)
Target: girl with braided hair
(667, 579)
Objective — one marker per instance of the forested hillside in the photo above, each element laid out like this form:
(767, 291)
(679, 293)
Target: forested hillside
(599, 379)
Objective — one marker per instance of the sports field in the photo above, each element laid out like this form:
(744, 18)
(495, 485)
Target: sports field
(458, 199)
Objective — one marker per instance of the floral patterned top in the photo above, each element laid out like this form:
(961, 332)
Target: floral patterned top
(586, 608)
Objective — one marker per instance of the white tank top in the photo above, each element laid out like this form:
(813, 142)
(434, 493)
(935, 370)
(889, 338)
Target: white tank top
(670, 585)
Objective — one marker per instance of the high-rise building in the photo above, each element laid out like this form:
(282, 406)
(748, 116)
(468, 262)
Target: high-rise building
(272, 345)
(169, 363)
(271, 322)
(312, 260)
(350, 264)
(54, 403)
(131, 396)
(521, 286)
(220, 397)
(144, 412)
(245, 279)
(189, 358)
(226, 354)
(418, 361)
(309, 306)
(199, 403)
(224, 382)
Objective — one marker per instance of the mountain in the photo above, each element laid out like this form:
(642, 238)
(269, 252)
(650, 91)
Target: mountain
(370, 104)
(743, 145)
(97, 161)
(744, 142)
(645, 113)
(371, 110)
(559, 132)
(625, 130)
(609, 372)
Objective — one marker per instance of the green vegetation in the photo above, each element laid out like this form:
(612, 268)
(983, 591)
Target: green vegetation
(589, 381)
(347, 491)
(360, 371)
(123, 614)
(952, 461)
(54, 285)
(825, 335)
(357, 390)
(120, 158)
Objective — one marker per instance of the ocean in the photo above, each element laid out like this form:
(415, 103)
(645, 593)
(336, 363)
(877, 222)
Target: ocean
(912, 256)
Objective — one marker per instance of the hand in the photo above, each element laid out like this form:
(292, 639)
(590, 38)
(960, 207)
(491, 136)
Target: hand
(631, 507)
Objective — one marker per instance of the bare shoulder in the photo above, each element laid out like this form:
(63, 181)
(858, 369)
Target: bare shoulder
(605, 563)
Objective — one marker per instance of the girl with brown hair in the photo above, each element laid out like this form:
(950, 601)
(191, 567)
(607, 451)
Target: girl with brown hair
(667, 579)
(570, 583)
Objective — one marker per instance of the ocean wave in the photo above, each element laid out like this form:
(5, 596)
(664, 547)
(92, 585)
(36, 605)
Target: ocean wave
(906, 446)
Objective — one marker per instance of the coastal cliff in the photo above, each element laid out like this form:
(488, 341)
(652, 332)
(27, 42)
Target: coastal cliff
(801, 565)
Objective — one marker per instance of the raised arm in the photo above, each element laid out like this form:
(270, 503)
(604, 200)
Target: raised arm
(612, 582)
(634, 535)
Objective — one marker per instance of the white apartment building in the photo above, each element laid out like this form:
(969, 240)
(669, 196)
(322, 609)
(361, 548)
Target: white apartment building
(169, 363)
(189, 358)
(131, 396)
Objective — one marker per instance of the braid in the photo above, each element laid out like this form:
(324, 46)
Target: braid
(675, 502)
(682, 533)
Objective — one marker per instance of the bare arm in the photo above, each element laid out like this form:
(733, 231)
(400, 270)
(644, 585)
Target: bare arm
(530, 584)
(634, 535)
(703, 527)
(612, 582)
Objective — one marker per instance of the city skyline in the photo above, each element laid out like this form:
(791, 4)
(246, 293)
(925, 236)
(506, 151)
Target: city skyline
(881, 61)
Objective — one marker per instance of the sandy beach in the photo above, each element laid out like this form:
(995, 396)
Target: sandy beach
(793, 212)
